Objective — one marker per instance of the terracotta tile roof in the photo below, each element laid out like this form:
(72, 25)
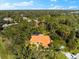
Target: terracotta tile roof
(43, 39)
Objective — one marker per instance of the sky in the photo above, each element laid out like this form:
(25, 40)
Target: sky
(39, 4)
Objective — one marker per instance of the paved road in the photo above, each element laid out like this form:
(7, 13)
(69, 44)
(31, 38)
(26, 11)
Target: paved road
(71, 56)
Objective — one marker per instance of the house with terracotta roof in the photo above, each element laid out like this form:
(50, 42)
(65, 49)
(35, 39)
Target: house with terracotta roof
(44, 40)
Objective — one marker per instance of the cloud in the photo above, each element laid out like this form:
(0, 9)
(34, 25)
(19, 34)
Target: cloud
(57, 7)
(51, 4)
(64, 7)
(65, 0)
(53, 0)
(9, 6)
(73, 7)
(6, 6)
(30, 3)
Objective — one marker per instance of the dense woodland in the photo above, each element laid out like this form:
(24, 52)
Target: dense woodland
(61, 25)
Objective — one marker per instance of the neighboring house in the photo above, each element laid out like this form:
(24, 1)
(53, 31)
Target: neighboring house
(8, 19)
(25, 18)
(21, 15)
(37, 23)
(28, 20)
(44, 40)
(74, 12)
(6, 25)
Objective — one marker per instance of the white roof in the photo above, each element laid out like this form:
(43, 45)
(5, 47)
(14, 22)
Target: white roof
(7, 19)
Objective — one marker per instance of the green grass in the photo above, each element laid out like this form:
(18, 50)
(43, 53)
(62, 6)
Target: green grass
(4, 54)
(61, 56)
